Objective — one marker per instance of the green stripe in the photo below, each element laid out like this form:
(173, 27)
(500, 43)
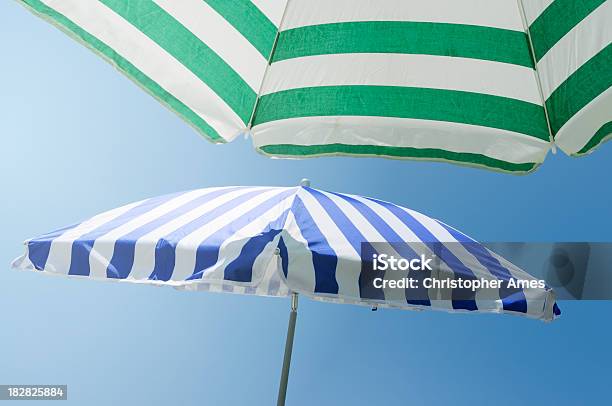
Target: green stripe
(397, 152)
(601, 136)
(467, 41)
(557, 20)
(589, 81)
(405, 102)
(247, 19)
(124, 66)
(196, 56)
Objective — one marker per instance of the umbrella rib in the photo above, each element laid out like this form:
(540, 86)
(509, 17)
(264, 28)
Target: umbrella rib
(537, 75)
(265, 75)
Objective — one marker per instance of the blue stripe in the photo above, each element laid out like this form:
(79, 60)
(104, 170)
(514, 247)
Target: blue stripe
(165, 252)
(122, 260)
(79, 260)
(241, 268)
(346, 226)
(367, 274)
(459, 300)
(38, 249)
(391, 237)
(513, 299)
(355, 238)
(324, 258)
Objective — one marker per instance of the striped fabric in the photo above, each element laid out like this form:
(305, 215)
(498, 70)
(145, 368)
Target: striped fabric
(271, 241)
(438, 79)
(203, 59)
(572, 41)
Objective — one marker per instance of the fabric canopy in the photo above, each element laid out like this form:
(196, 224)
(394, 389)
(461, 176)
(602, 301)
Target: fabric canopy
(572, 42)
(421, 79)
(272, 241)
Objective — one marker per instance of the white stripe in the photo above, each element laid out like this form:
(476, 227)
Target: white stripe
(576, 48)
(104, 246)
(533, 8)
(348, 267)
(272, 9)
(262, 289)
(152, 60)
(144, 251)
(60, 252)
(492, 13)
(536, 301)
(406, 234)
(300, 269)
(220, 36)
(23, 262)
(187, 247)
(579, 130)
(441, 299)
(535, 298)
(267, 269)
(402, 132)
(404, 70)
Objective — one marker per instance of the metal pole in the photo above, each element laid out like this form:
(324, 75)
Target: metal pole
(282, 390)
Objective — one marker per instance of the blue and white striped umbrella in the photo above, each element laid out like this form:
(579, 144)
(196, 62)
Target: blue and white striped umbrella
(274, 241)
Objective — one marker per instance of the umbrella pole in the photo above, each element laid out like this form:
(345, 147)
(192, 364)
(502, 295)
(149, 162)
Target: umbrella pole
(282, 390)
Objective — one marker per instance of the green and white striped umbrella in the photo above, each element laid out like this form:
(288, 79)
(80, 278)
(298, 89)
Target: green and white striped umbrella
(491, 83)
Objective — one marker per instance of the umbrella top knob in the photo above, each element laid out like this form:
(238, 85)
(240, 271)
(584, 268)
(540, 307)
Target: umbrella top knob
(305, 182)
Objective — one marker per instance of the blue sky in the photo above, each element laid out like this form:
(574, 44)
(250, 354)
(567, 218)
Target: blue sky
(78, 138)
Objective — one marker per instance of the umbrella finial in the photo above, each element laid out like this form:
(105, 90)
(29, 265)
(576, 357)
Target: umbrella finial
(305, 182)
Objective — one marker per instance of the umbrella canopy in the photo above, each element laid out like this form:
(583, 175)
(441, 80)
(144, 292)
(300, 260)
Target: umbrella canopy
(276, 241)
(484, 83)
